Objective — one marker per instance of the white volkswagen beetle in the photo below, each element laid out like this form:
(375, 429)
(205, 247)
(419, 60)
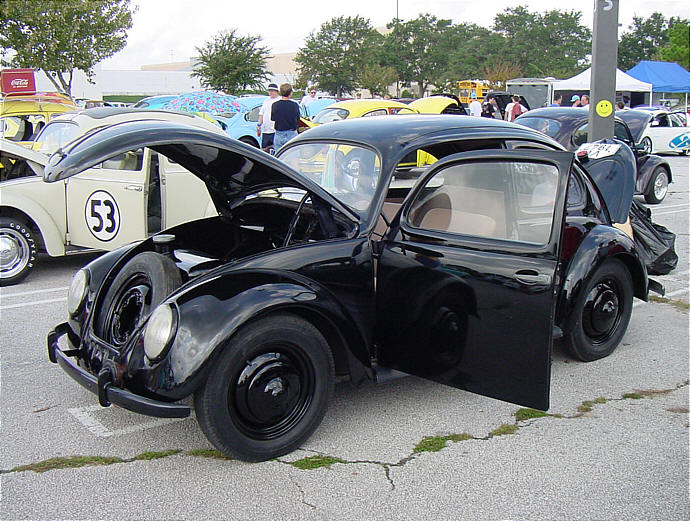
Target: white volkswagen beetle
(124, 199)
(666, 132)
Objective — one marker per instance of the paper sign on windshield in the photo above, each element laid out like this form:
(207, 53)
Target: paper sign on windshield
(599, 150)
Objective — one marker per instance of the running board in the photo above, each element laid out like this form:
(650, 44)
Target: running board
(384, 375)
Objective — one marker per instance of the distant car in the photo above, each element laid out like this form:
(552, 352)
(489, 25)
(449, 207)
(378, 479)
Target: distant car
(360, 108)
(242, 125)
(665, 131)
(153, 102)
(317, 106)
(568, 126)
(441, 104)
(22, 118)
(319, 265)
(123, 198)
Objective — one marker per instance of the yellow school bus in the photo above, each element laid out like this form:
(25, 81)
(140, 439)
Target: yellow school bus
(466, 89)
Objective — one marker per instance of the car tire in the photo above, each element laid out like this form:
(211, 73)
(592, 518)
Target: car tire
(250, 141)
(17, 250)
(657, 187)
(602, 313)
(646, 145)
(268, 389)
(143, 283)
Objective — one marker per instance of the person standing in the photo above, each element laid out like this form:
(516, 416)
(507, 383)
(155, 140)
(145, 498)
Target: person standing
(584, 100)
(309, 97)
(285, 115)
(557, 100)
(514, 109)
(489, 108)
(575, 100)
(264, 126)
(475, 106)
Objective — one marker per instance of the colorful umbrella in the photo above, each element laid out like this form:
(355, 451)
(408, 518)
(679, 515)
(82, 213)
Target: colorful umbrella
(204, 101)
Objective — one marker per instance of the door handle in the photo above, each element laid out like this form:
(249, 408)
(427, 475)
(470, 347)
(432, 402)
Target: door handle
(135, 188)
(532, 277)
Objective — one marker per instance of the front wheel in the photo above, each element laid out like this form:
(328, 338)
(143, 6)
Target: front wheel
(658, 186)
(268, 390)
(17, 251)
(646, 145)
(602, 313)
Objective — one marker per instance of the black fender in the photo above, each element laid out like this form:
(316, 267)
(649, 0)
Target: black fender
(599, 244)
(645, 168)
(211, 312)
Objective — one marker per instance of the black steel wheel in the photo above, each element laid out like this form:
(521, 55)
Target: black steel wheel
(17, 251)
(657, 187)
(138, 288)
(646, 145)
(602, 313)
(268, 390)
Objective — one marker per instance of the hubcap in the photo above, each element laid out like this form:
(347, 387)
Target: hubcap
(14, 252)
(271, 393)
(127, 311)
(602, 312)
(660, 186)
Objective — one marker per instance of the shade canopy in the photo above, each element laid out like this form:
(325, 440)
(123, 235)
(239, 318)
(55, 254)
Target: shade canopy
(624, 82)
(664, 76)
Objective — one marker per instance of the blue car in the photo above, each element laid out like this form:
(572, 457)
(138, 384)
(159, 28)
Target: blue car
(242, 125)
(153, 102)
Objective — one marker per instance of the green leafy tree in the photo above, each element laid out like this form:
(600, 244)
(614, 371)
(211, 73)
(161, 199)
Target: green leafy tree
(377, 78)
(59, 37)
(418, 50)
(644, 38)
(677, 49)
(334, 57)
(230, 63)
(553, 43)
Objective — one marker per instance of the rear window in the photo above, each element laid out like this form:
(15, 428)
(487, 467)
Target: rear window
(330, 114)
(55, 135)
(547, 126)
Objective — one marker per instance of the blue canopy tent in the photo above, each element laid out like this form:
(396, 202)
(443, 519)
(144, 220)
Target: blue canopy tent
(664, 76)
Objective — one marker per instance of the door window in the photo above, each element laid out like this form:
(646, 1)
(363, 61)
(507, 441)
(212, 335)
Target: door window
(511, 200)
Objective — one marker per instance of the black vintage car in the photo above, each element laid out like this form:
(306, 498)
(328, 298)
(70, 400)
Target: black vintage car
(568, 126)
(322, 263)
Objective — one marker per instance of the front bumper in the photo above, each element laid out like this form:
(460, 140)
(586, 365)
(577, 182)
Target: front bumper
(102, 384)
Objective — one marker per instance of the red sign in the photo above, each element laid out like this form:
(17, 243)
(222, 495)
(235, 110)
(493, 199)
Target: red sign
(17, 81)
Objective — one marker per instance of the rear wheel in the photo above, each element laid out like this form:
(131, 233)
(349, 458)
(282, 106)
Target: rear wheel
(602, 313)
(268, 390)
(658, 186)
(250, 141)
(17, 251)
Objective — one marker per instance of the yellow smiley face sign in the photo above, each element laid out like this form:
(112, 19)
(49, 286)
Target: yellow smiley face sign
(604, 108)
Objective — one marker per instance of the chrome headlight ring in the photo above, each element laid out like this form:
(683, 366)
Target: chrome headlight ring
(160, 331)
(77, 291)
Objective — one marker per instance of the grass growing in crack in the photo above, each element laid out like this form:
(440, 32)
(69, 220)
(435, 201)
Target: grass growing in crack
(633, 396)
(436, 443)
(588, 405)
(315, 462)
(207, 453)
(504, 430)
(678, 304)
(147, 456)
(529, 414)
(66, 463)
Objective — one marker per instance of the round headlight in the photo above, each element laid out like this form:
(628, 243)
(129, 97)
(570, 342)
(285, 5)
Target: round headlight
(159, 331)
(77, 291)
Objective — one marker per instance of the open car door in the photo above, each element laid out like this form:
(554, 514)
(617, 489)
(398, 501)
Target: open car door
(467, 271)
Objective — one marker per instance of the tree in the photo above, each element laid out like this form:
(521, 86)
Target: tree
(418, 50)
(59, 37)
(677, 49)
(553, 43)
(376, 78)
(230, 63)
(642, 41)
(334, 57)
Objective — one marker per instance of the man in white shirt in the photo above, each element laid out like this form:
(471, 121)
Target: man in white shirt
(309, 97)
(265, 127)
(475, 106)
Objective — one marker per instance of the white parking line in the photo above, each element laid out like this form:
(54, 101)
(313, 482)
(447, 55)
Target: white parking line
(83, 416)
(33, 303)
(672, 212)
(36, 292)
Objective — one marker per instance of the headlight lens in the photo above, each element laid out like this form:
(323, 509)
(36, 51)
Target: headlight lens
(77, 291)
(159, 331)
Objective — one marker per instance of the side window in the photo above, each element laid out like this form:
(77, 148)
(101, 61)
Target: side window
(132, 161)
(621, 132)
(580, 135)
(577, 195)
(675, 120)
(377, 112)
(511, 200)
(253, 115)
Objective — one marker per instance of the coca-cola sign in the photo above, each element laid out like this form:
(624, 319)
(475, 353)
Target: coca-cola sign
(17, 81)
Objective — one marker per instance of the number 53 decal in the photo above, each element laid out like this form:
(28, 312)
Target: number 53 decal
(102, 215)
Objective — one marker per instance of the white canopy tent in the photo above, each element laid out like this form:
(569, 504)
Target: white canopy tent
(624, 82)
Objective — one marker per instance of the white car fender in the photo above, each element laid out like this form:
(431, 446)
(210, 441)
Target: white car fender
(53, 239)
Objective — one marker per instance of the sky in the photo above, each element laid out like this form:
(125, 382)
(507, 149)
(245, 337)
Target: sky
(169, 30)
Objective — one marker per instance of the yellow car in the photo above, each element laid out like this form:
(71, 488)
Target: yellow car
(360, 108)
(21, 118)
(440, 104)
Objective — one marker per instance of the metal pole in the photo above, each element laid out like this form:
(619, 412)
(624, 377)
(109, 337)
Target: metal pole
(604, 63)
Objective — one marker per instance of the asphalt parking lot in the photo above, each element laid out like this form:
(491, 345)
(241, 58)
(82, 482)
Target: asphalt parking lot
(614, 444)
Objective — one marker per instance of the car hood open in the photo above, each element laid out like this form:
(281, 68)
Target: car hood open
(637, 121)
(36, 160)
(230, 169)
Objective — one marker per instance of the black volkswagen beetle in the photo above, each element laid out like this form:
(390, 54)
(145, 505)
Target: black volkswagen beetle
(568, 126)
(322, 263)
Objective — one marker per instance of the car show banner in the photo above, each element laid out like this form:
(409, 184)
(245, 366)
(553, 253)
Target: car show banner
(17, 81)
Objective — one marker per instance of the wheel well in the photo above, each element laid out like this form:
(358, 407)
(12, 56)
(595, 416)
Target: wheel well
(633, 266)
(668, 172)
(11, 212)
(250, 141)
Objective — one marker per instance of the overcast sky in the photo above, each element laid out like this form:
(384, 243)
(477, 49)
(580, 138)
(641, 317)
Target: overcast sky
(169, 30)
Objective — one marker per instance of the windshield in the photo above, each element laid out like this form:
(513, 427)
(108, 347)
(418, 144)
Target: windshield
(329, 115)
(547, 126)
(350, 173)
(55, 135)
